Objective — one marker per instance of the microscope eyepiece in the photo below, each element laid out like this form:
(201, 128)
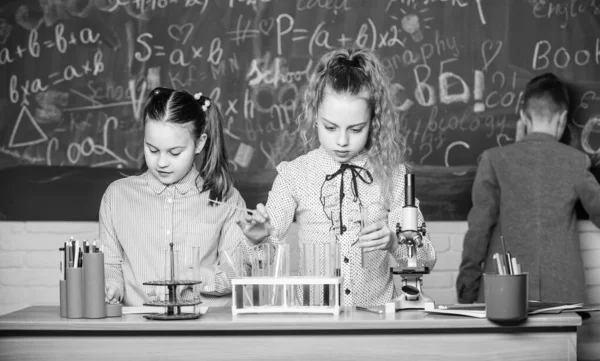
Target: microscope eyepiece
(409, 189)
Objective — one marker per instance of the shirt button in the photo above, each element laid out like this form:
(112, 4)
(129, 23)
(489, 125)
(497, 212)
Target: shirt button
(344, 228)
(346, 260)
(347, 291)
(169, 200)
(168, 231)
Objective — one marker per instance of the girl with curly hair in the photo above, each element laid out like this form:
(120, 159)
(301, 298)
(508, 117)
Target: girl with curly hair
(351, 183)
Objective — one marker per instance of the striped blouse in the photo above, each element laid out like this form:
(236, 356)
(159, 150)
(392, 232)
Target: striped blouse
(140, 216)
(309, 189)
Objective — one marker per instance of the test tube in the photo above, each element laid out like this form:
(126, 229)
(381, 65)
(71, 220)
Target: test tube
(364, 221)
(268, 258)
(237, 266)
(280, 293)
(254, 272)
(317, 271)
(335, 270)
(262, 259)
(307, 256)
(327, 270)
(171, 270)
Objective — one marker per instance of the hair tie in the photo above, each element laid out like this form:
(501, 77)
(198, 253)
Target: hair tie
(205, 105)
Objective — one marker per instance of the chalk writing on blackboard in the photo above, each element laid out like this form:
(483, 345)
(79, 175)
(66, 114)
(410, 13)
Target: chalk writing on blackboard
(76, 72)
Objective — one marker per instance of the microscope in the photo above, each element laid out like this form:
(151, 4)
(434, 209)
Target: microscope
(409, 280)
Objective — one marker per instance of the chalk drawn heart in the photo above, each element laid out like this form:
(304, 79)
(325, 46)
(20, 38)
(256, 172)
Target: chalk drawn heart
(266, 25)
(493, 49)
(177, 32)
(503, 139)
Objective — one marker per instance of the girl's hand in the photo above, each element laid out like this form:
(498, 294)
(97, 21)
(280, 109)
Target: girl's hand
(377, 236)
(112, 294)
(256, 227)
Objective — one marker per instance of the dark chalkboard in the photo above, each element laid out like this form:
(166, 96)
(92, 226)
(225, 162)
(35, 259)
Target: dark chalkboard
(74, 74)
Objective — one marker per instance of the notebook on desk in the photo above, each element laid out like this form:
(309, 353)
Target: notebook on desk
(477, 310)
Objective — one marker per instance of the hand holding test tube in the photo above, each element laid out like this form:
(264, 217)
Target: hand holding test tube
(375, 234)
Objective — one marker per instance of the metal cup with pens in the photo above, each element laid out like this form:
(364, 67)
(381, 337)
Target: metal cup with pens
(507, 291)
(82, 280)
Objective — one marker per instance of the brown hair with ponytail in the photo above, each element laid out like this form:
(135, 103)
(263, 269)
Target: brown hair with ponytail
(202, 116)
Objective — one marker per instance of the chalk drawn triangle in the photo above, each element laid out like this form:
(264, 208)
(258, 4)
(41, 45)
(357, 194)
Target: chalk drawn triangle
(25, 134)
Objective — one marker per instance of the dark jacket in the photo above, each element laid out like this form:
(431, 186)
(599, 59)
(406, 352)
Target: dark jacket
(527, 193)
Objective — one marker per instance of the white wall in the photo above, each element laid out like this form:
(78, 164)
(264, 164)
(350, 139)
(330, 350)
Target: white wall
(29, 266)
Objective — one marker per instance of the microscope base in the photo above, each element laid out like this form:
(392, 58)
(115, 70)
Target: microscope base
(423, 302)
(408, 283)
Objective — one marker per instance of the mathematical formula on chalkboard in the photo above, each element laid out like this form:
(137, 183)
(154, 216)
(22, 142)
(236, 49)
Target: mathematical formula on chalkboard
(75, 72)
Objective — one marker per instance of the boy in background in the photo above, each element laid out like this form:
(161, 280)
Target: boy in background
(526, 192)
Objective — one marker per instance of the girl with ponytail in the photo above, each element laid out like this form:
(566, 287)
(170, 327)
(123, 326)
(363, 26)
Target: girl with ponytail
(173, 201)
(349, 186)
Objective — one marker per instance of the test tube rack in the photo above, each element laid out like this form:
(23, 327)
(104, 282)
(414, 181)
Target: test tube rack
(173, 304)
(288, 300)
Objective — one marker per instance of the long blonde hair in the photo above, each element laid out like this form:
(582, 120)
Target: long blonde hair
(353, 71)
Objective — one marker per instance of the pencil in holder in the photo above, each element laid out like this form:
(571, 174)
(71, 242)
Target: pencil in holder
(93, 290)
(62, 287)
(74, 292)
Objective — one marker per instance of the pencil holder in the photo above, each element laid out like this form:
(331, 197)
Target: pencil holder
(506, 297)
(62, 287)
(74, 292)
(114, 310)
(93, 289)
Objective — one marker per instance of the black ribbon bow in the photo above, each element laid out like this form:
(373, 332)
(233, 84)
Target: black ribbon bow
(356, 172)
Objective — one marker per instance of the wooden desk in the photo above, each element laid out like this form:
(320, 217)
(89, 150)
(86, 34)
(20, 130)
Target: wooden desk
(39, 333)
